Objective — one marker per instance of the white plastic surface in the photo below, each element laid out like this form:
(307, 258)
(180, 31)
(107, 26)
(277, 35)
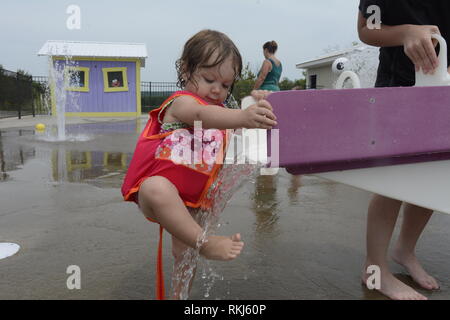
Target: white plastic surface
(8, 249)
(424, 184)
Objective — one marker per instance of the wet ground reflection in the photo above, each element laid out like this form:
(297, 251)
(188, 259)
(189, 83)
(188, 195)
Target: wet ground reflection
(68, 161)
(265, 204)
(94, 167)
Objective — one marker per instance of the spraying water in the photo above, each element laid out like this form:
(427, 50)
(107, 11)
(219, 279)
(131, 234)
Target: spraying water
(57, 77)
(63, 99)
(230, 178)
(61, 79)
(364, 62)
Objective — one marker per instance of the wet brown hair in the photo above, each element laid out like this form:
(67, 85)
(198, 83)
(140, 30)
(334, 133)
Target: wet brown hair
(200, 48)
(271, 46)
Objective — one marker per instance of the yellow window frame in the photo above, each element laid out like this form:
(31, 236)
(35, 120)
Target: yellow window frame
(86, 78)
(106, 86)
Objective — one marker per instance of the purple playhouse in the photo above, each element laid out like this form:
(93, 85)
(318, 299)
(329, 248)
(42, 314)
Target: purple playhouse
(97, 79)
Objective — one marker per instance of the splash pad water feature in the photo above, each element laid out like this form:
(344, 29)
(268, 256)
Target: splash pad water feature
(60, 81)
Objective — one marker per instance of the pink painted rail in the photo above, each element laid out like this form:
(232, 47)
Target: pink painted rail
(329, 130)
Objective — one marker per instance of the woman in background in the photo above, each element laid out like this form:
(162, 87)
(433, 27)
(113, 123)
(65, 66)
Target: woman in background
(270, 73)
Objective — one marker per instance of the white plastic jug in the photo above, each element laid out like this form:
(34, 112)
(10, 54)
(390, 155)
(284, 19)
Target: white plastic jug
(441, 77)
(348, 75)
(254, 143)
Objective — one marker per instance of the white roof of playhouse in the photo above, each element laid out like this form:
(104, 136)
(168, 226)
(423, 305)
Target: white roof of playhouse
(327, 59)
(90, 49)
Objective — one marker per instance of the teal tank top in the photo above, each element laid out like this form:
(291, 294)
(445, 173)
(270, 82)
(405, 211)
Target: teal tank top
(273, 77)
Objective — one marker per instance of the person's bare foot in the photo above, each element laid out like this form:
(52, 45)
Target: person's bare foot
(414, 268)
(222, 248)
(393, 288)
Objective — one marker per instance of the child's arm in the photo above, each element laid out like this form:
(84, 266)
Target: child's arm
(188, 110)
(415, 39)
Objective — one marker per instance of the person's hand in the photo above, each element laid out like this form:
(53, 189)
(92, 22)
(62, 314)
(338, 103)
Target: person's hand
(260, 94)
(259, 115)
(419, 47)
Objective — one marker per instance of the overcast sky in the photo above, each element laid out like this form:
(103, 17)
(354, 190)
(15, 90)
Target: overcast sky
(303, 29)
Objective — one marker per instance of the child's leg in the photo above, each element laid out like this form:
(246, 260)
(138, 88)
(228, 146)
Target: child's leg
(414, 221)
(159, 200)
(381, 218)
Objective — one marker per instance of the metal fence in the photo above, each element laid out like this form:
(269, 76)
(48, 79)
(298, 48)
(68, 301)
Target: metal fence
(315, 88)
(154, 93)
(43, 80)
(22, 94)
(16, 94)
(158, 88)
(41, 95)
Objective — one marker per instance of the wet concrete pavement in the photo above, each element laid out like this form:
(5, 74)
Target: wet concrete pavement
(304, 237)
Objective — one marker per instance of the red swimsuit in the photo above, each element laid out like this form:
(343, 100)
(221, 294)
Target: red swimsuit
(170, 155)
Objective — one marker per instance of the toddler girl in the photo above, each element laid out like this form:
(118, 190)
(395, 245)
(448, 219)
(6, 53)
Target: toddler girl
(182, 148)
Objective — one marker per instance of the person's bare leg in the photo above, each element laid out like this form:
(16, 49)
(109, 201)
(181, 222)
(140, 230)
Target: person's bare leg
(414, 221)
(159, 200)
(381, 218)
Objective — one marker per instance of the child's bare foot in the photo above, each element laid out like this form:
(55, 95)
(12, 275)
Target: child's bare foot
(414, 268)
(222, 248)
(393, 288)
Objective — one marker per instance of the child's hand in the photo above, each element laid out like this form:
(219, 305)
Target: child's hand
(259, 115)
(419, 47)
(260, 94)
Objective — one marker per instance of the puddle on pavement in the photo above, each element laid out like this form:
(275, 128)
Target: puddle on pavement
(95, 153)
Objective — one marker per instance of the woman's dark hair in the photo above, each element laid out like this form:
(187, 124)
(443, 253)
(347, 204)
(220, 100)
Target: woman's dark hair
(198, 51)
(271, 46)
